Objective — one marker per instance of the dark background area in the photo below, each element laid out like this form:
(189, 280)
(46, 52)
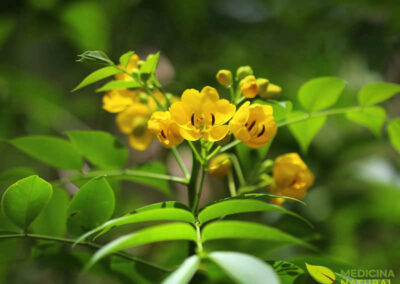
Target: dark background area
(355, 200)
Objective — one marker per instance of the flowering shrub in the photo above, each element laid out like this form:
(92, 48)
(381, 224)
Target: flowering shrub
(220, 128)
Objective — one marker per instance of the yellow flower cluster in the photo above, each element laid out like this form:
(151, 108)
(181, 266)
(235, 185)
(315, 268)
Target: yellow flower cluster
(291, 177)
(133, 108)
(204, 115)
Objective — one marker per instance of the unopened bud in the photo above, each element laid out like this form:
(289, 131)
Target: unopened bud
(139, 127)
(243, 71)
(143, 97)
(262, 84)
(249, 87)
(219, 165)
(273, 92)
(224, 77)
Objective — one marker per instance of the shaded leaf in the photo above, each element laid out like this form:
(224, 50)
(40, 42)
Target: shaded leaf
(165, 232)
(377, 92)
(394, 133)
(23, 201)
(97, 76)
(237, 206)
(320, 93)
(53, 151)
(91, 206)
(244, 268)
(305, 131)
(185, 272)
(100, 148)
(372, 117)
(10, 176)
(164, 204)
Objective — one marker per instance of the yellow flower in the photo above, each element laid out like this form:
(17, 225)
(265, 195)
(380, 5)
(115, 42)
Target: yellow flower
(133, 122)
(118, 100)
(249, 87)
(224, 77)
(219, 165)
(254, 125)
(291, 177)
(202, 114)
(132, 65)
(166, 130)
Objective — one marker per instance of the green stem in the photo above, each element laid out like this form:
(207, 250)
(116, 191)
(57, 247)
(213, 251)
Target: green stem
(199, 191)
(238, 169)
(85, 243)
(125, 172)
(193, 180)
(231, 184)
(197, 155)
(213, 153)
(199, 241)
(180, 162)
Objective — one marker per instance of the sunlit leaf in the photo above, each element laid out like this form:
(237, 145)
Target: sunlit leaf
(161, 214)
(394, 133)
(247, 230)
(97, 76)
(224, 208)
(118, 85)
(321, 274)
(305, 131)
(320, 93)
(166, 232)
(91, 206)
(23, 201)
(377, 92)
(124, 58)
(150, 65)
(185, 272)
(53, 151)
(372, 117)
(244, 268)
(100, 148)
(52, 221)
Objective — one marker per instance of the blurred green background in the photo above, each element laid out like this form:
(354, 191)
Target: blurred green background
(355, 200)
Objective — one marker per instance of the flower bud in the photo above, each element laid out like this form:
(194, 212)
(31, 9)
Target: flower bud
(249, 87)
(273, 92)
(243, 71)
(262, 84)
(224, 77)
(143, 97)
(139, 127)
(219, 165)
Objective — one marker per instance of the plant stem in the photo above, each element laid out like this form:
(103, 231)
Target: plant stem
(197, 155)
(231, 183)
(180, 162)
(199, 241)
(193, 180)
(84, 243)
(199, 191)
(213, 153)
(238, 169)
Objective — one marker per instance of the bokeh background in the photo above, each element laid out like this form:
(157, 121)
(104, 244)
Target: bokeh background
(355, 202)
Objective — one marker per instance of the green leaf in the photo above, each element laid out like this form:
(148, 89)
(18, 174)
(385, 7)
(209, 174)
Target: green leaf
(269, 195)
(281, 108)
(244, 268)
(91, 206)
(162, 214)
(96, 56)
(53, 151)
(124, 58)
(185, 272)
(97, 75)
(150, 65)
(394, 133)
(10, 176)
(247, 230)
(53, 219)
(100, 148)
(305, 131)
(320, 93)
(153, 167)
(118, 85)
(321, 274)
(24, 200)
(224, 208)
(165, 232)
(288, 272)
(377, 92)
(372, 117)
(164, 204)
